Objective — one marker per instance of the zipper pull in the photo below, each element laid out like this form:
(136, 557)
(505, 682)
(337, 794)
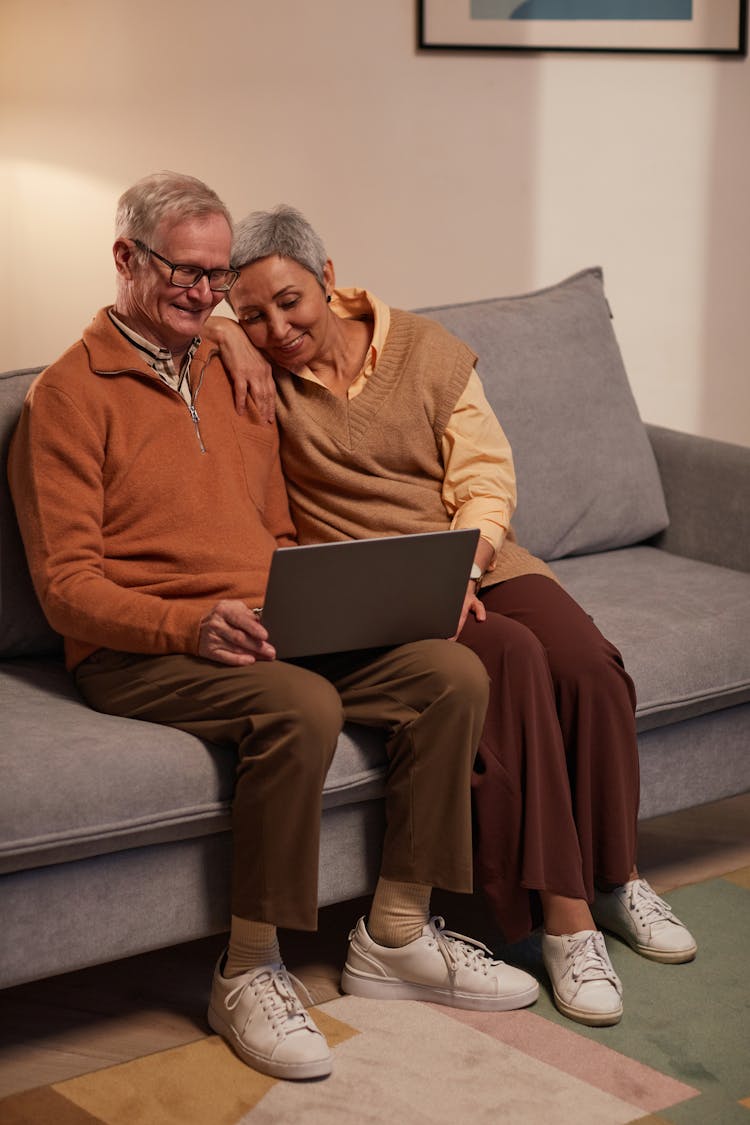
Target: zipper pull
(196, 420)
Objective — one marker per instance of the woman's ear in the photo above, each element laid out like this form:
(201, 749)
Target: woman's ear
(329, 278)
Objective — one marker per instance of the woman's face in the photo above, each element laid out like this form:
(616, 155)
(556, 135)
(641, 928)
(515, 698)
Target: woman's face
(282, 308)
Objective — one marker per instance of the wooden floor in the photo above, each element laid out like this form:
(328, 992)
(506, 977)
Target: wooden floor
(54, 1029)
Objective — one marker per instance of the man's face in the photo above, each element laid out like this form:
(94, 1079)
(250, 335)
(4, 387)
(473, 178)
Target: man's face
(163, 313)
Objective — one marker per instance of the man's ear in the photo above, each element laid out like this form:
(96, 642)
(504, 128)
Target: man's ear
(124, 252)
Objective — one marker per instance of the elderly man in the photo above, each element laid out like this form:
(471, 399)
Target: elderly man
(149, 512)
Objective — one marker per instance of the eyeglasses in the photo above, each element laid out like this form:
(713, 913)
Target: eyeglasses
(185, 277)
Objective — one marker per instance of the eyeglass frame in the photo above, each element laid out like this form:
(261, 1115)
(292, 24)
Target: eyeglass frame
(186, 265)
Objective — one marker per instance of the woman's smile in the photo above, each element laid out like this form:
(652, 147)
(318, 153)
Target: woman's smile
(292, 345)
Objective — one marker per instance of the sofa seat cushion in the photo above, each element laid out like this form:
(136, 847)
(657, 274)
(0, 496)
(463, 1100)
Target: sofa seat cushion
(553, 373)
(77, 783)
(682, 627)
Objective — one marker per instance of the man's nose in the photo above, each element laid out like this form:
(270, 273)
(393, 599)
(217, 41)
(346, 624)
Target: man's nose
(201, 291)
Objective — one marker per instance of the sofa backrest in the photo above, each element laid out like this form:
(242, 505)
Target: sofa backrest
(552, 371)
(23, 627)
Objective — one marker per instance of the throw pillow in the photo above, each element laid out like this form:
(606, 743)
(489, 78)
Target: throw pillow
(553, 373)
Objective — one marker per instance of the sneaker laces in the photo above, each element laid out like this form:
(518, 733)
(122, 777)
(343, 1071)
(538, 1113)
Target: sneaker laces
(275, 992)
(588, 960)
(645, 902)
(460, 951)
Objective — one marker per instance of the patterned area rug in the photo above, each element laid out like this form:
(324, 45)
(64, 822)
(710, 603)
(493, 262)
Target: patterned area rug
(680, 1055)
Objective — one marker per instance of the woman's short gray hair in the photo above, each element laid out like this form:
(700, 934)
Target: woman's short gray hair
(160, 196)
(285, 232)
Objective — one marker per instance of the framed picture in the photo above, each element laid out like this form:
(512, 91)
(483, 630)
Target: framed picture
(672, 26)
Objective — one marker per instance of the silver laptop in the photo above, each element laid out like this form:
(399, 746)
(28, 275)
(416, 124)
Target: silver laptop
(367, 593)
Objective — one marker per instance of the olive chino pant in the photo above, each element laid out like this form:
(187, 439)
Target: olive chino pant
(283, 720)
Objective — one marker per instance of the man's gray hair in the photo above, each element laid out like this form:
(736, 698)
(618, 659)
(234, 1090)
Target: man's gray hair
(164, 195)
(285, 232)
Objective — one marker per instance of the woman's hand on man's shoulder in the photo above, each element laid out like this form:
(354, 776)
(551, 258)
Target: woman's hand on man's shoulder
(248, 369)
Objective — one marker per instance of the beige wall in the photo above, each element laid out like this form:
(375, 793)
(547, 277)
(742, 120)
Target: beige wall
(432, 177)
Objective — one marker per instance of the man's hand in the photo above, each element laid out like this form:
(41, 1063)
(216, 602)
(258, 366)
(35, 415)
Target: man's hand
(249, 371)
(231, 634)
(472, 604)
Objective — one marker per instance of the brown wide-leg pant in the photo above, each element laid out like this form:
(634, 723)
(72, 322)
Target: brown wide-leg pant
(556, 783)
(284, 720)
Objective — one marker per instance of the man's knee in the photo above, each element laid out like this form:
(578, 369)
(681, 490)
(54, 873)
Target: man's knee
(299, 716)
(313, 706)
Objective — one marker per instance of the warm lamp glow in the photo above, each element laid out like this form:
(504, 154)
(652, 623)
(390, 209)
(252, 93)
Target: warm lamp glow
(58, 236)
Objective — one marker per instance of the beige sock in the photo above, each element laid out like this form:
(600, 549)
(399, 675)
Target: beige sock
(398, 912)
(251, 944)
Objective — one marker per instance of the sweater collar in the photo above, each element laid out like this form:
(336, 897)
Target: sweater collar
(111, 352)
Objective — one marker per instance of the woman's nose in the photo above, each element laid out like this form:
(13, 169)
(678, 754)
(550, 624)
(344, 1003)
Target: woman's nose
(276, 325)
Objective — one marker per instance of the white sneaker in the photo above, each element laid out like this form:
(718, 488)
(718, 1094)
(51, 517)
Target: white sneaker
(440, 966)
(636, 913)
(585, 986)
(261, 1017)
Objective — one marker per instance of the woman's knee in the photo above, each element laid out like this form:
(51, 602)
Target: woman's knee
(506, 647)
(592, 664)
(456, 671)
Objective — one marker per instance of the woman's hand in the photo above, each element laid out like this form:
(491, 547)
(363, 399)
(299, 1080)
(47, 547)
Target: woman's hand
(472, 604)
(249, 371)
(232, 634)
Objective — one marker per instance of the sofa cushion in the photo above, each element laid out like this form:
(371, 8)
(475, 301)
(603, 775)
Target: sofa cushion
(23, 627)
(682, 627)
(553, 373)
(77, 783)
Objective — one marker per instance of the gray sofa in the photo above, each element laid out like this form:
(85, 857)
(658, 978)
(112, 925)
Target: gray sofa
(114, 833)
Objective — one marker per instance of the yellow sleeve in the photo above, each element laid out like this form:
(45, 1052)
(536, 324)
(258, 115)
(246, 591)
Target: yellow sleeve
(479, 487)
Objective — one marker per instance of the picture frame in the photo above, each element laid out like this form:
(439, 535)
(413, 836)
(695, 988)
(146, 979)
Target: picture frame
(695, 27)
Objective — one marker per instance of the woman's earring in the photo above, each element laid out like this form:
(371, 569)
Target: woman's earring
(328, 298)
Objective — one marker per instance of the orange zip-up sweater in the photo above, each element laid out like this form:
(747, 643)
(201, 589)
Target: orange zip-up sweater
(137, 515)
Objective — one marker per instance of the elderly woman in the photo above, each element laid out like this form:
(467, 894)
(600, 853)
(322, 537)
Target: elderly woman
(386, 430)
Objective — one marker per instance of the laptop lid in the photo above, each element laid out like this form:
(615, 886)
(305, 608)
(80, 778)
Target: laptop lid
(367, 593)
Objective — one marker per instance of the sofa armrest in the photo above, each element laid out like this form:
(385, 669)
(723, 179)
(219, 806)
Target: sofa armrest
(707, 489)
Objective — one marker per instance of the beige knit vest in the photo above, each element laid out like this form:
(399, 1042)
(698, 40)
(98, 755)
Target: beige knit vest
(372, 465)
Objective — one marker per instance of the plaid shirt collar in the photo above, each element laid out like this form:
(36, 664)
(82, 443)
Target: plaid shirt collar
(159, 359)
